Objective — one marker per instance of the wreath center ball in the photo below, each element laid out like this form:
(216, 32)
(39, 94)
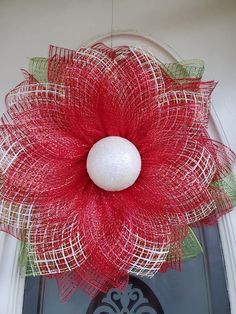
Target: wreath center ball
(113, 163)
(106, 164)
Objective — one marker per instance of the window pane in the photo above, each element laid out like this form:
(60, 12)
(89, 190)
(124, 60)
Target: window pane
(199, 288)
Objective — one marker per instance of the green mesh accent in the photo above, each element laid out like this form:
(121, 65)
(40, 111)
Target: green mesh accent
(38, 67)
(26, 261)
(228, 185)
(191, 246)
(22, 260)
(185, 69)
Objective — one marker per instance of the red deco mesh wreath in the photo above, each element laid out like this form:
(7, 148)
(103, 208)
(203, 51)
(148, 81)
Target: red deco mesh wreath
(73, 230)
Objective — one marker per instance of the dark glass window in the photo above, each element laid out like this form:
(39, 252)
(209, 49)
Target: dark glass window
(199, 289)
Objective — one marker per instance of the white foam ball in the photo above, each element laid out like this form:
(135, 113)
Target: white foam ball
(113, 163)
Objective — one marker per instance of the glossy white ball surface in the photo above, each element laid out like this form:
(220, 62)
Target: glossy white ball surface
(113, 163)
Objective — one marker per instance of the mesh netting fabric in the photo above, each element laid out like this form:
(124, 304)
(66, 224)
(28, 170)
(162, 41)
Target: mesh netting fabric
(71, 229)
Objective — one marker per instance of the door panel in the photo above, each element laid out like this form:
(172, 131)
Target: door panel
(199, 288)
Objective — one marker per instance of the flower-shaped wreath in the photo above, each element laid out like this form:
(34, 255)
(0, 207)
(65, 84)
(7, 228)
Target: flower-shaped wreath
(93, 234)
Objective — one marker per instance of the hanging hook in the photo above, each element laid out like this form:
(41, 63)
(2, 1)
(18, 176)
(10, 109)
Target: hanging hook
(112, 21)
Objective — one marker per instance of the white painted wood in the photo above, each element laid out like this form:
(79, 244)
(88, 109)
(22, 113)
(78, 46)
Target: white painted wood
(196, 29)
(11, 283)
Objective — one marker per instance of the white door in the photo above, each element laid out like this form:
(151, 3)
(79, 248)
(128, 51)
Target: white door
(202, 29)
